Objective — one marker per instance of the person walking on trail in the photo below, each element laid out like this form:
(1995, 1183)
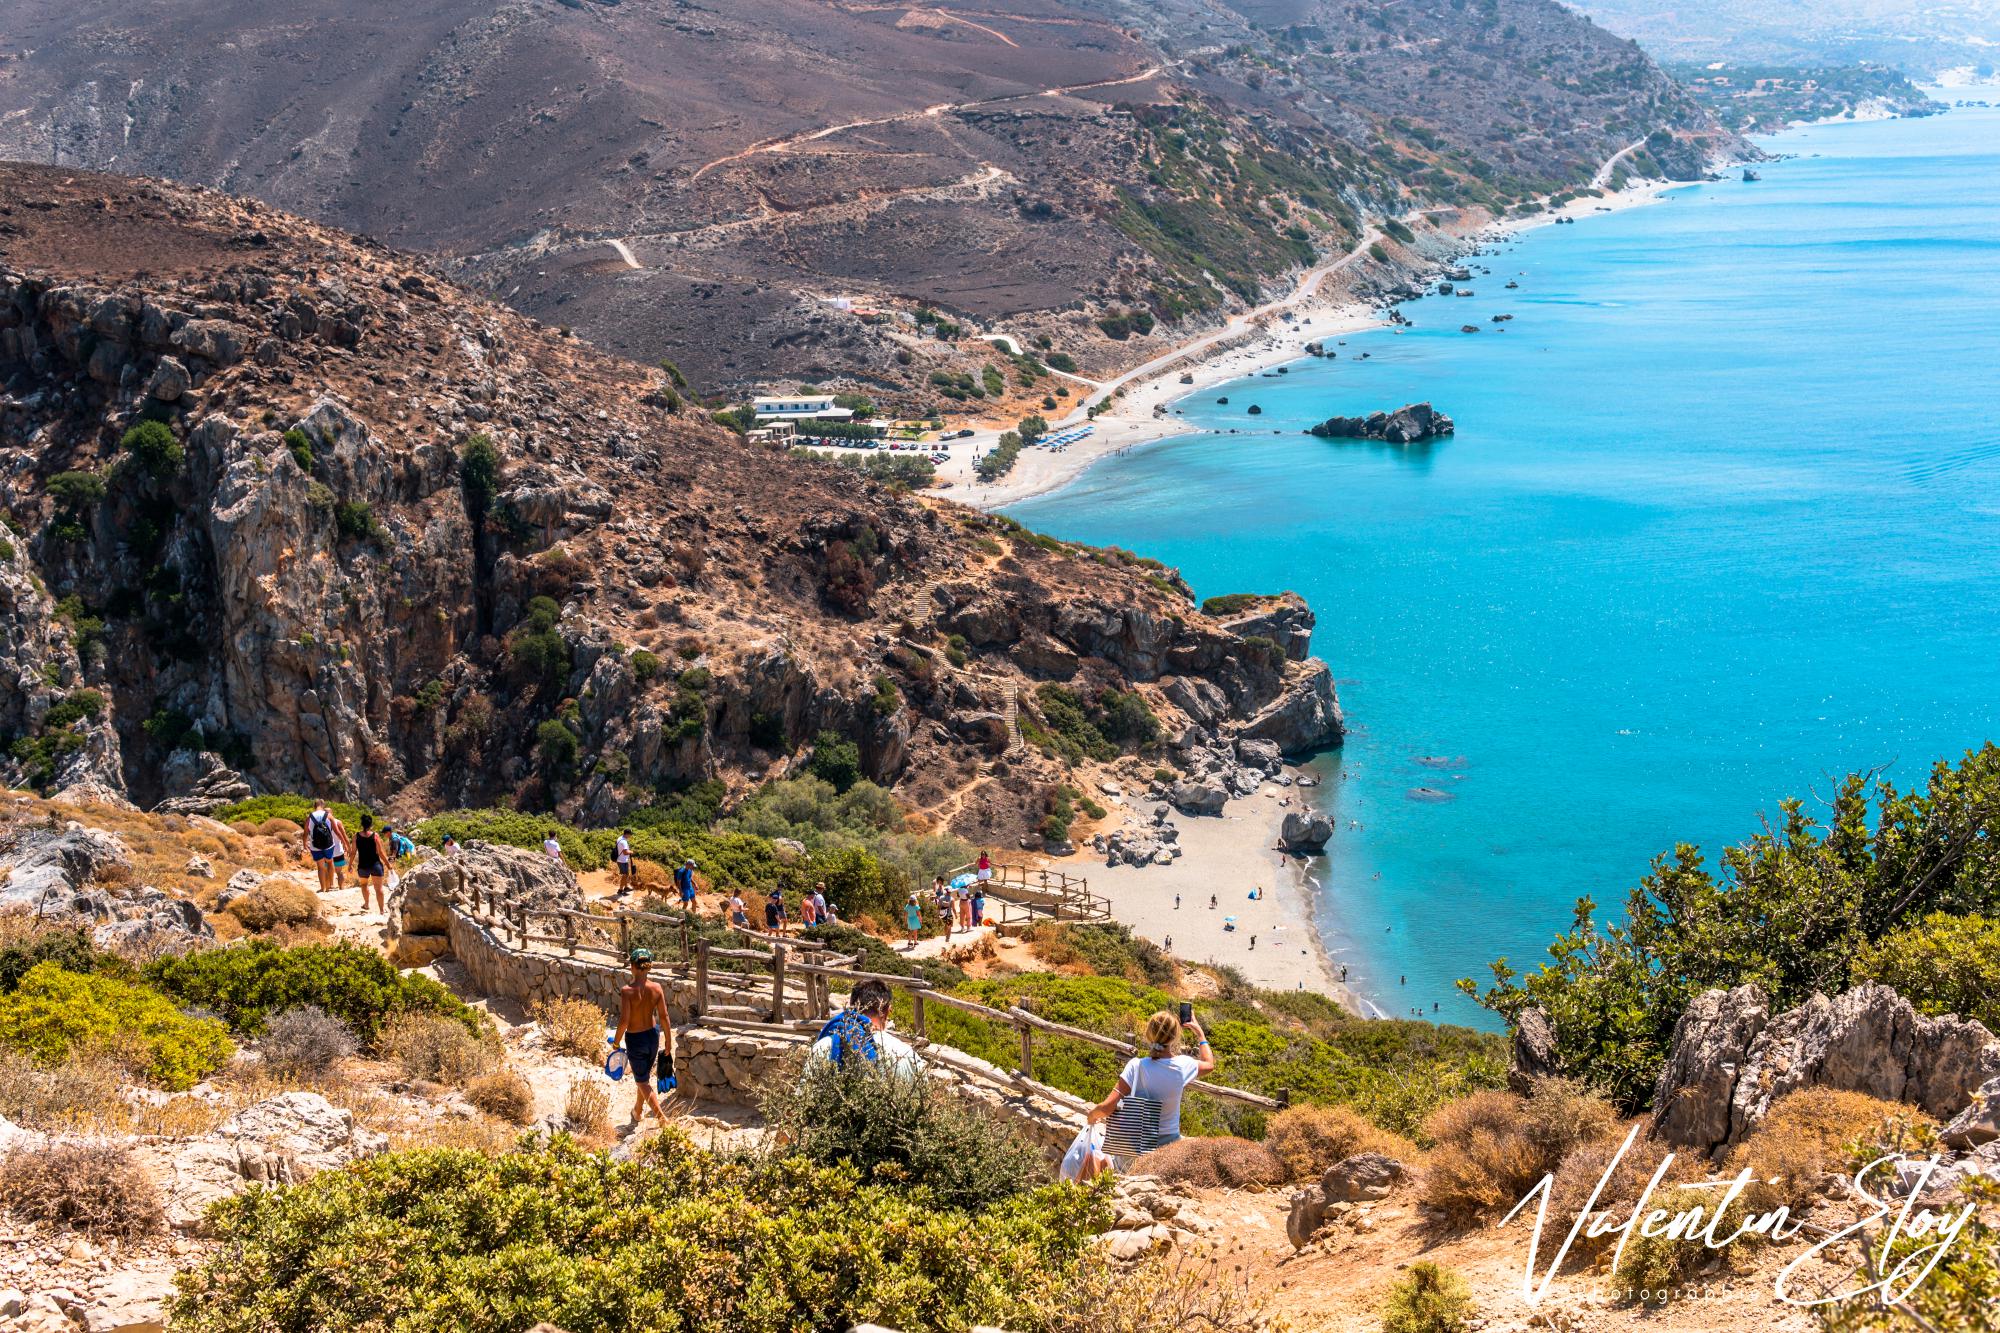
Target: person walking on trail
(371, 864)
(326, 845)
(739, 915)
(1162, 1074)
(552, 849)
(941, 899)
(684, 881)
(774, 912)
(979, 906)
(647, 1034)
(859, 1036)
(913, 919)
(808, 911)
(820, 909)
(622, 854)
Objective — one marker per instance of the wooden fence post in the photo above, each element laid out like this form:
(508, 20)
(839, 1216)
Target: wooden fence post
(1027, 1051)
(625, 936)
(778, 983)
(687, 938)
(701, 977)
(917, 1011)
(569, 934)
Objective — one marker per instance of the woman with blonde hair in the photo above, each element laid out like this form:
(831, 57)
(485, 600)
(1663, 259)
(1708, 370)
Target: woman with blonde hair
(1150, 1086)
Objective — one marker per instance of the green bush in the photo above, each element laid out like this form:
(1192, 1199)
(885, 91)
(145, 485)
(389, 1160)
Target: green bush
(155, 447)
(645, 665)
(556, 744)
(955, 650)
(356, 520)
(887, 698)
(1943, 964)
(68, 949)
(300, 445)
(76, 490)
(1792, 911)
(1430, 1298)
(999, 460)
(902, 1131)
(257, 809)
(478, 475)
(835, 760)
(674, 1239)
(248, 982)
(53, 1013)
(1229, 603)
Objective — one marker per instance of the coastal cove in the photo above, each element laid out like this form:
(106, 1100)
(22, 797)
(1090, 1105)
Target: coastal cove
(1718, 524)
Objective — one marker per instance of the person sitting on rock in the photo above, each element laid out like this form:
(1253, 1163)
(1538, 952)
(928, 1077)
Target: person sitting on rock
(1162, 1075)
(859, 1036)
(647, 1034)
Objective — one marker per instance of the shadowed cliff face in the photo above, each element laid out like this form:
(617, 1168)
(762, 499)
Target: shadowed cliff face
(243, 464)
(1042, 162)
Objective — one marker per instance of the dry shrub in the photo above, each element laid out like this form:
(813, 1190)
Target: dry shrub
(1309, 1139)
(178, 1117)
(1237, 1163)
(276, 902)
(94, 1188)
(1483, 1159)
(249, 828)
(1653, 1268)
(432, 1048)
(307, 1043)
(1430, 1298)
(651, 878)
(571, 1027)
(1804, 1139)
(1492, 1147)
(1176, 1292)
(472, 1132)
(75, 1096)
(1580, 1171)
(280, 828)
(503, 1094)
(1562, 1115)
(587, 1109)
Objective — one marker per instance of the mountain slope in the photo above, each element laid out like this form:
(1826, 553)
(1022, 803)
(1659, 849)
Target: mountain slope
(1021, 159)
(254, 523)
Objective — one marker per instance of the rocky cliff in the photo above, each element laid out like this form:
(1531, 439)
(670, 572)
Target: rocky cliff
(287, 510)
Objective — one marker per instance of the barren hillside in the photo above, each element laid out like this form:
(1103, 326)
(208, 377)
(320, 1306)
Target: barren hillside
(1042, 162)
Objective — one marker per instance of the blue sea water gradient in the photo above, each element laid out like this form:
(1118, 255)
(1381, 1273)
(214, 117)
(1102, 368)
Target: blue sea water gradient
(1720, 523)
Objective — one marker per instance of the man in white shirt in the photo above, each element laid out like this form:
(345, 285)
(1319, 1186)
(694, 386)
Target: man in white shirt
(552, 849)
(861, 1032)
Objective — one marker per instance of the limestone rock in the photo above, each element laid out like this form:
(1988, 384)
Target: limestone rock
(49, 868)
(1305, 832)
(199, 867)
(1979, 1123)
(1306, 715)
(1200, 798)
(130, 1301)
(170, 380)
(280, 1140)
(1534, 1050)
(1730, 1061)
(1362, 1178)
(198, 782)
(1308, 1215)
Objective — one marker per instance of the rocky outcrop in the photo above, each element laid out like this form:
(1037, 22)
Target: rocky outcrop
(1731, 1060)
(420, 916)
(1406, 425)
(1979, 1123)
(1364, 1178)
(278, 1141)
(1534, 1051)
(1305, 833)
(198, 782)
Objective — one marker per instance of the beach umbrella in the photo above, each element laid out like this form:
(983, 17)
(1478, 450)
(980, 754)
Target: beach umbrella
(963, 881)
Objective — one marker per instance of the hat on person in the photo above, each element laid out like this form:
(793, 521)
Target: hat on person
(641, 955)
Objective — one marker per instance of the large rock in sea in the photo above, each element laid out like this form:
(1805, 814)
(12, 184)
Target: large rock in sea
(1731, 1060)
(1305, 832)
(1406, 425)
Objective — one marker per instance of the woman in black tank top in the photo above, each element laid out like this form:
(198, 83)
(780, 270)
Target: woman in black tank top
(370, 865)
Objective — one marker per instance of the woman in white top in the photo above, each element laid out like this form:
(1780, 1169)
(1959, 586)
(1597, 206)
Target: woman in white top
(1163, 1074)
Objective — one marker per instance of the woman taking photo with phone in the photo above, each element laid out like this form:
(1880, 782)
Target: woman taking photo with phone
(1143, 1110)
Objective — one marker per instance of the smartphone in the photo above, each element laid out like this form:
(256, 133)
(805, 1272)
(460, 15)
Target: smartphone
(1187, 1013)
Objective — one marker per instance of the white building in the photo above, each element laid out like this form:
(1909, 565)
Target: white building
(800, 407)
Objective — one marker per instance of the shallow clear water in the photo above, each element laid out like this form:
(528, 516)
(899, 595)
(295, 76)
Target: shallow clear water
(1721, 520)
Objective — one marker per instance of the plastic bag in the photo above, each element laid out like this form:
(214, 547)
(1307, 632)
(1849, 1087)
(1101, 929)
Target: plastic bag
(1086, 1146)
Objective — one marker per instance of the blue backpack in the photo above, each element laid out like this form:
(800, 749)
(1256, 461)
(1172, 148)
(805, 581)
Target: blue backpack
(851, 1033)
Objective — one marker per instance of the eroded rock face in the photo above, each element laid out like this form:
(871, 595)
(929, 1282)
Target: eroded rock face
(1534, 1051)
(281, 1140)
(1732, 1060)
(419, 906)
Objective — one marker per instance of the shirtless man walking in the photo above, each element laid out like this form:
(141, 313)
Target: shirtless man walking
(646, 1033)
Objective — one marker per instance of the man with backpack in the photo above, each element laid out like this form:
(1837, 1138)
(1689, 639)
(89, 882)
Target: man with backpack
(859, 1036)
(325, 839)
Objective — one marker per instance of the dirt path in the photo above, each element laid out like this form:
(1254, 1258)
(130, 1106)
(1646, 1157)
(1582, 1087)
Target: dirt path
(1603, 176)
(788, 142)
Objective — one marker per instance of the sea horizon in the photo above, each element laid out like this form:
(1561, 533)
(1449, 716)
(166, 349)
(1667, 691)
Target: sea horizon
(1710, 535)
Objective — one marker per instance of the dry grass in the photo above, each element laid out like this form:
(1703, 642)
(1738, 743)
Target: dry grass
(503, 1094)
(432, 1048)
(95, 1188)
(1805, 1140)
(1309, 1139)
(1176, 1292)
(275, 903)
(76, 1096)
(587, 1110)
(1237, 1163)
(571, 1027)
(1585, 1166)
(306, 1043)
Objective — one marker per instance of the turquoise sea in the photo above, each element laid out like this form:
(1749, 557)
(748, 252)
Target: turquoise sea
(1721, 522)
